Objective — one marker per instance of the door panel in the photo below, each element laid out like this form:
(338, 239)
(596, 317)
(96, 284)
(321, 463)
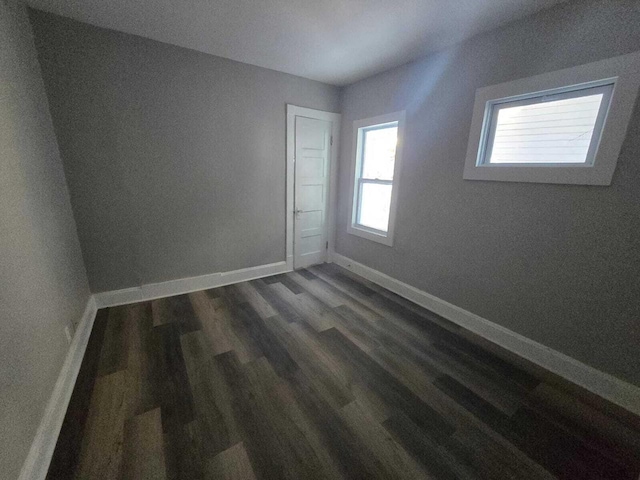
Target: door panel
(312, 146)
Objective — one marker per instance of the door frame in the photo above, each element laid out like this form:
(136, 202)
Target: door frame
(294, 111)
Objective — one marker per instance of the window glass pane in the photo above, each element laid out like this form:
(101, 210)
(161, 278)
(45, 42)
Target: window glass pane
(379, 152)
(375, 201)
(551, 131)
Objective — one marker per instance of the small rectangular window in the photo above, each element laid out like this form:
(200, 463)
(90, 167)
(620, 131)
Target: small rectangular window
(545, 129)
(564, 127)
(375, 169)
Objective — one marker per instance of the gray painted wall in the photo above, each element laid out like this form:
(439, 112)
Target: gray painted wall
(43, 284)
(175, 159)
(558, 264)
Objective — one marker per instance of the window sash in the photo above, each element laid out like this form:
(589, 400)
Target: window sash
(361, 182)
(493, 109)
(363, 147)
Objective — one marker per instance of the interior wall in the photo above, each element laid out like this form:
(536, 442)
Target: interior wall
(556, 263)
(43, 284)
(175, 159)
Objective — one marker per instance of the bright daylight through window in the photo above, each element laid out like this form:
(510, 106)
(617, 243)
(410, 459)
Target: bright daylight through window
(560, 128)
(375, 169)
(376, 179)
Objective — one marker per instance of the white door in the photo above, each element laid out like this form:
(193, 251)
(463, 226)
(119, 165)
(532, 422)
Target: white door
(312, 153)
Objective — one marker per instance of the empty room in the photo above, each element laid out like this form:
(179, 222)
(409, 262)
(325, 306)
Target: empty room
(320, 239)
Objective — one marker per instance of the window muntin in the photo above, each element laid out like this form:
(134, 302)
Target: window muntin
(561, 127)
(375, 166)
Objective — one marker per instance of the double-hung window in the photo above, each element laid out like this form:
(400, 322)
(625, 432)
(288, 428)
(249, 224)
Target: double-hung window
(560, 127)
(375, 171)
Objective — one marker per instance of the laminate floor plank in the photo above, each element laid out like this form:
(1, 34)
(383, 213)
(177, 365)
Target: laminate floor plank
(320, 374)
(177, 310)
(473, 378)
(291, 285)
(355, 317)
(143, 452)
(101, 450)
(256, 300)
(113, 355)
(597, 429)
(392, 391)
(215, 323)
(306, 274)
(275, 445)
(215, 429)
(285, 281)
(354, 459)
(176, 396)
(516, 375)
(420, 446)
(486, 458)
(307, 308)
(392, 457)
(312, 285)
(358, 327)
(344, 278)
(282, 307)
(268, 343)
(329, 464)
(183, 460)
(327, 375)
(232, 464)
(246, 346)
(383, 319)
(142, 368)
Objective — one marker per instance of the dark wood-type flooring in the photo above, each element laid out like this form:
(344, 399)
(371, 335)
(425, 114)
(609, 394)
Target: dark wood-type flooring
(320, 374)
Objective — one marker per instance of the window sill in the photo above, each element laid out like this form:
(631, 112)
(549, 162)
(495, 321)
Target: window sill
(547, 173)
(374, 236)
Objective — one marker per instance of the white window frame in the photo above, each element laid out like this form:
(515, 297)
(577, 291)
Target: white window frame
(622, 72)
(385, 238)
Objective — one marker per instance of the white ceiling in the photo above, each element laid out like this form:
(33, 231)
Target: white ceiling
(333, 41)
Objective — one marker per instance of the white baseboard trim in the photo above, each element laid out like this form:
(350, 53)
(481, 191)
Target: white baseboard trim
(602, 384)
(152, 291)
(38, 459)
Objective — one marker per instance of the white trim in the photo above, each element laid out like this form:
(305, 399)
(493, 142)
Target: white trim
(622, 71)
(38, 459)
(334, 118)
(385, 238)
(151, 291)
(602, 384)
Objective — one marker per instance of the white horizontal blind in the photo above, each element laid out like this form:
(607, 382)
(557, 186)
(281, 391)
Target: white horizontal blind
(551, 129)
